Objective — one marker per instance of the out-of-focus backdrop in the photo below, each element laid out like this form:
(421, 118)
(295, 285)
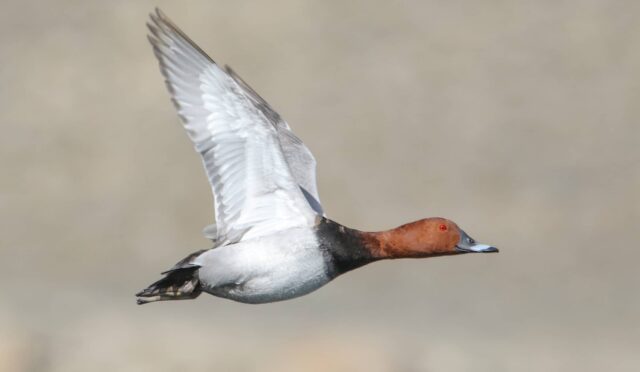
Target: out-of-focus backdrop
(518, 120)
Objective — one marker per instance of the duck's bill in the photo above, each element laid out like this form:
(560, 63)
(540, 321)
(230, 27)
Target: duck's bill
(477, 248)
(468, 245)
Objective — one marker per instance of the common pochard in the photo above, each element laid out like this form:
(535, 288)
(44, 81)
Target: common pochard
(272, 240)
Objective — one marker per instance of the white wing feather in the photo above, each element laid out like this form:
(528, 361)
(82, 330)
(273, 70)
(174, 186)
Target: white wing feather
(301, 161)
(254, 191)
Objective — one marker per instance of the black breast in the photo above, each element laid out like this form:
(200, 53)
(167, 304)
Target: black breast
(343, 247)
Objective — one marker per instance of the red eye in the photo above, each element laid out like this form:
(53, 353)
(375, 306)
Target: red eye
(442, 227)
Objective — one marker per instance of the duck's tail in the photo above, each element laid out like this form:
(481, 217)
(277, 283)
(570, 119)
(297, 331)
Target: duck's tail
(180, 283)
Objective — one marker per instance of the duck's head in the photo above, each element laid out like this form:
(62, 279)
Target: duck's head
(429, 237)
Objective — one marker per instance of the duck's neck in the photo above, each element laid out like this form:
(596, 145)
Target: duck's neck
(348, 249)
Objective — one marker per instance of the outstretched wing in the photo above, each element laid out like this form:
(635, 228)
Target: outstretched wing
(255, 193)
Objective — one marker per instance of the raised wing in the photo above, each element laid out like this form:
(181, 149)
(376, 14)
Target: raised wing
(254, 190)
(301, 161)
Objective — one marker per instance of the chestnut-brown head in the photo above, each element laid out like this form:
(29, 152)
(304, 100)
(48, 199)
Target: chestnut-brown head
(425, 238)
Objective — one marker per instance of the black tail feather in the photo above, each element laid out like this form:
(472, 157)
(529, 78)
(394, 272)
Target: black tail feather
(179, 283)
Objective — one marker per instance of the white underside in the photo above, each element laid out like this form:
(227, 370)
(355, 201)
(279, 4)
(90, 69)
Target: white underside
(272, 268)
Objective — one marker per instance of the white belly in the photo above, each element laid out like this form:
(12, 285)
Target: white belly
(274, 268)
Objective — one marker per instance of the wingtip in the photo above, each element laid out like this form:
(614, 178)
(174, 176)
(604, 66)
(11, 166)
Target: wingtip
(163, 21)
(161, 27)
(160, 13)
(158, 19)
(153, 25)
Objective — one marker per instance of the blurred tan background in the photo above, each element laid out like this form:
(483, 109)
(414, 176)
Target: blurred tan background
(519, 120)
